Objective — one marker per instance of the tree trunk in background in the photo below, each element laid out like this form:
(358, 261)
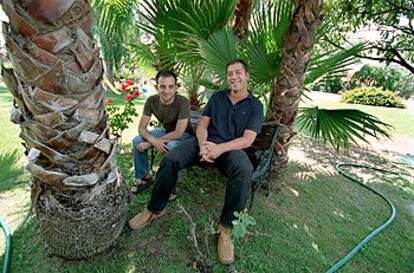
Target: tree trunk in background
(79, 198)
(242, 17)
(284, 100)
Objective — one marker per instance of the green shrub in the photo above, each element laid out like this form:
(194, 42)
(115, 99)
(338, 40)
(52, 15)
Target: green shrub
(329, 84)
(388, 77)
(372, 96)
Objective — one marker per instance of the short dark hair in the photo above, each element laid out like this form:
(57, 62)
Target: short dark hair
(165, 74)
(240, 61)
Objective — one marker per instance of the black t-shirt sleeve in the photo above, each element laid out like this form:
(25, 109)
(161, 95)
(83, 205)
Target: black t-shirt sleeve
(256, 118)
(208, 109)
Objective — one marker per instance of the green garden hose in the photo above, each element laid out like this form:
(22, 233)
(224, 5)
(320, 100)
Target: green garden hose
(358, 247)
(6, 231)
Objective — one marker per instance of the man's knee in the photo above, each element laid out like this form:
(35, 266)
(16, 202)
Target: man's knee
(171, 158)
(240, 163)
(172, 144)
(137, 140)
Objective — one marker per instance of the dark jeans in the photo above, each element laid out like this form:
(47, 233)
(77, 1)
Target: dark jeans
(235, 165)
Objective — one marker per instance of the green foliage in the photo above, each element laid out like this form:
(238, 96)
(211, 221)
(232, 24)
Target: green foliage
(115, 26)
(388, 77)
(372, 96)
(332, 63)
(120, 116)
(393, 19)
(329, 84)
(241, 223)
(219, 49)
(339, 127)
(120, 119)
(177, 26)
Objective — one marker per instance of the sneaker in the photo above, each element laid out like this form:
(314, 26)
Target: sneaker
(225, 247)
(143, 218)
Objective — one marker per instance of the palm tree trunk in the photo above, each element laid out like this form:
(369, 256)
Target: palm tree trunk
(284, 100)
(79, 198)
(241, 18)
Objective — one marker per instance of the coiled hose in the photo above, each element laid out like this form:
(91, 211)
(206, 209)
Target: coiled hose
(6, 259)
(358, 247)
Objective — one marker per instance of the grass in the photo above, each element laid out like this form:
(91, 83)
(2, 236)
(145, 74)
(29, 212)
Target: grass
(313, 218)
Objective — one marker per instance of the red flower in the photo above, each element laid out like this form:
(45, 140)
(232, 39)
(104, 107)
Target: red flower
(108, 101)
(129, 97)
(124, 86)
(136, 93)
(129, 83)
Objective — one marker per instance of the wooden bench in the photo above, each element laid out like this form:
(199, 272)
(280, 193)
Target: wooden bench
(260, 154)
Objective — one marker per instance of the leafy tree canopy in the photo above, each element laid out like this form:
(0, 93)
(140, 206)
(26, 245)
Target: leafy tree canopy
(392, 18)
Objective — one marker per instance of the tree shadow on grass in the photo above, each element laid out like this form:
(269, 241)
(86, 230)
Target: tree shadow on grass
(12, 174)
(326, 157)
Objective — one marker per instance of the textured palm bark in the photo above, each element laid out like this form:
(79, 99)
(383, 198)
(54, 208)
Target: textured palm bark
(284, 101)
(242, 16)
(78, 195)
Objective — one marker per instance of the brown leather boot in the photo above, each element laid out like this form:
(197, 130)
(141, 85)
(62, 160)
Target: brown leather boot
(225, 247)
(143, 218)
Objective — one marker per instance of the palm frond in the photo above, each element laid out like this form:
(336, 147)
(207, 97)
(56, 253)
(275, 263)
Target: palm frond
(340, 127)
(115, 20)
(269, 26)
(331, 63)
(219, 49)
(271, 20)
(183, 23)
(114, 16)
(264, 65)
(141, 54)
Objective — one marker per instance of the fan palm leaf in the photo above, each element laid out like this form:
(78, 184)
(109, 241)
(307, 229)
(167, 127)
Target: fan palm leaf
(331, 63)
(218, 50)
(114, 21)
(183, 23)
(269, 27)
(339, 127)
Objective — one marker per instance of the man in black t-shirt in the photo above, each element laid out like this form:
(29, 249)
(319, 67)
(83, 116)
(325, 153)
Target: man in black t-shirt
(172, 111)
(229, 124)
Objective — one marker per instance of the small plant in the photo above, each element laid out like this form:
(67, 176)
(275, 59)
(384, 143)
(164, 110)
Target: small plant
(121, 116)
(242, 222)
(372, 96)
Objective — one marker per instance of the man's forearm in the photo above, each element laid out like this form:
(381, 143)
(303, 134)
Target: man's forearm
(172, 135)
(239, 143)
(201, 134)
(146, 134)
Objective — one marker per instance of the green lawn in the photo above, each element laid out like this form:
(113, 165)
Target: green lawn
(313, 218)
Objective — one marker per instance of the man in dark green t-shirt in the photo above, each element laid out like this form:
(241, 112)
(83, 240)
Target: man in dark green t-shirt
(172, 111)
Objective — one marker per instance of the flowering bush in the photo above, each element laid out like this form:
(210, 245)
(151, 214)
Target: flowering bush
(121, 116)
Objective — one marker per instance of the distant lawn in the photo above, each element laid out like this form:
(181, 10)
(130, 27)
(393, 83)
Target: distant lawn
(312, 219)
(401, 119)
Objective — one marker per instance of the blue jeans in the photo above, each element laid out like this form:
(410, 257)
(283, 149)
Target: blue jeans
(141, 158)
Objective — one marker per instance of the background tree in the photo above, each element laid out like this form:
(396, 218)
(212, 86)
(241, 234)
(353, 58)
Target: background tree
(392, 18)
(77, 193)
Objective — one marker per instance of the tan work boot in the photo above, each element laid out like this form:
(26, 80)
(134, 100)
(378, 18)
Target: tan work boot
(225, 247)
(143, 218)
